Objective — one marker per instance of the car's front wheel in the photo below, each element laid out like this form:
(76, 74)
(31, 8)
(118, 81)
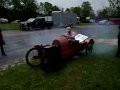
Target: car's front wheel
(30, 28)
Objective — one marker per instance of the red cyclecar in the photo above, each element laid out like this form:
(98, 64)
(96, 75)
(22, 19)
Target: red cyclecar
(65, 46)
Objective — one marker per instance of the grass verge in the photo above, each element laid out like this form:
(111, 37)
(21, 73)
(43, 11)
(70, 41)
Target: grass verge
(83, 73)
(10, 26)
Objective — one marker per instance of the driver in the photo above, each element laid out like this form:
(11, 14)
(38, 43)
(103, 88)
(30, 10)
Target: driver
(70, 33)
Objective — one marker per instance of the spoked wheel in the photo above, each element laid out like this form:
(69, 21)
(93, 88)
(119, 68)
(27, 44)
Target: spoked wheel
(33, 58)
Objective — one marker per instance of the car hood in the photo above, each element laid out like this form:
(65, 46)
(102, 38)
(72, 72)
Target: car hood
(25, 22)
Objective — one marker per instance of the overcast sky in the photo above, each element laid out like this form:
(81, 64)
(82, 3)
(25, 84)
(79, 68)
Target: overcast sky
(96, 4)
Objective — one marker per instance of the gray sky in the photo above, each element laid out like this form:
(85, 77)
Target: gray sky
(96, 4)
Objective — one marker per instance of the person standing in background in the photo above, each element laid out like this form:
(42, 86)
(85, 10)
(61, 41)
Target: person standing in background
(118, 49)
(2, 43)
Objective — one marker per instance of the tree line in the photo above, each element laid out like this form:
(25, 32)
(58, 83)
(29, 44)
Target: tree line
(24, 9)
(112, 11)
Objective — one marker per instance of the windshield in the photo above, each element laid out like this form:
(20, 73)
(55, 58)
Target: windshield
(31, 19)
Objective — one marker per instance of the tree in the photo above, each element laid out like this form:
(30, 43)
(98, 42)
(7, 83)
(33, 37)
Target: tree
(18, 9)
(30, 8)
(68, 10)
(104, 13)
(55, 8)
(2, 2)
(92, 15)
(76, 10)
(41, 9)
(24, 9)
(3, 8)
(46, 8)
(86, 9)
(3, 11)
(115, 8)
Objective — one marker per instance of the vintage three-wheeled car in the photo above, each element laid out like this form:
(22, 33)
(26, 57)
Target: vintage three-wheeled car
(50, 56)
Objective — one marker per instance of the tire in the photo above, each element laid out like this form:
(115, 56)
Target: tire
(48, 27)
(21, 27)
(30, 28)
(89, 48)
(42, 27)
(34, 60)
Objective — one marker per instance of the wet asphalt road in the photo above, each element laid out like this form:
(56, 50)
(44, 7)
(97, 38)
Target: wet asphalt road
(19, 42)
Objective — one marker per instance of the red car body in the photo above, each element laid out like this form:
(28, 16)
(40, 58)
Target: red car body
(70, 47)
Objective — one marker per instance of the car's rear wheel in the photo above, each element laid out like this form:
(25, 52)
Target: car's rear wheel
(89, 47)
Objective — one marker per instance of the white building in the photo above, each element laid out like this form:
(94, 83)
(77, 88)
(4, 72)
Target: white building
(62, 19)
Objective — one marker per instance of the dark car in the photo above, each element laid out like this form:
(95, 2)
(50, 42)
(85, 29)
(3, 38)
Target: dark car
(35, 23)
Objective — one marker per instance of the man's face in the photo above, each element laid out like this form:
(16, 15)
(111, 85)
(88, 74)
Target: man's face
(69, 31)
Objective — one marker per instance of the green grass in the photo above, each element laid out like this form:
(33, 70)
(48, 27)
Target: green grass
(9, 26)
(83, 73)
(98, 71)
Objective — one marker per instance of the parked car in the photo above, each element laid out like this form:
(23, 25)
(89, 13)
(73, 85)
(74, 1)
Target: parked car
(92, 21)
(35, 23)
(105, 22)
(102, 21)
(15, 21)
(109, 23)
(3, 20)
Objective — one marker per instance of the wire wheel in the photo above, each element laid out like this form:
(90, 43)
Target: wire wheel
(33, 58)
(89, 48)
